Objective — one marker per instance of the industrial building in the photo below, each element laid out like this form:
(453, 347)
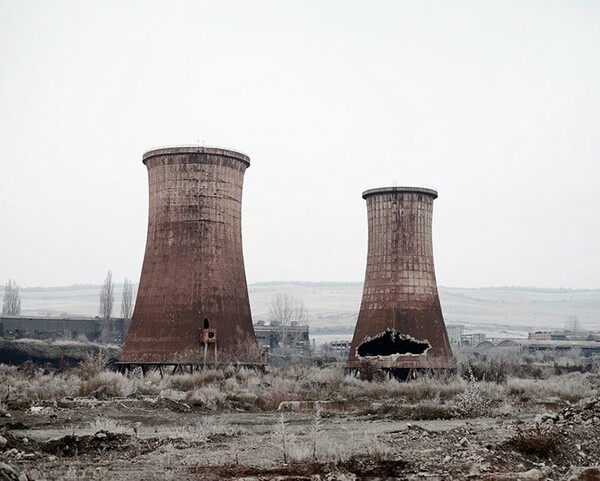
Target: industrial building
(400, 326)
(550, 347)
(192, 304)
(339, 349)
(293, 337)
(50, 328)
(473, 339)
(455, 333)
(564, 335)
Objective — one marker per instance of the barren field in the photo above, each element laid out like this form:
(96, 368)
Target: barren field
(497, 421)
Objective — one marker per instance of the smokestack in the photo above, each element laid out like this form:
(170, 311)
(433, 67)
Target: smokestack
(192, 304)
(400, 326)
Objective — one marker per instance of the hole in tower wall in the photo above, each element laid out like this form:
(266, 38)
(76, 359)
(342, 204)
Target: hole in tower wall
(391, 342)
(206, 323)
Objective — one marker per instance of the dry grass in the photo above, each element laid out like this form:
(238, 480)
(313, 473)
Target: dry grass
(108, 385)
(427, 410)
(249, 390)
(110, 425)
(92, 365)
(320, 446)
(569, 387)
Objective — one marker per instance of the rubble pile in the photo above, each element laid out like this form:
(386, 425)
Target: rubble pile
(101, 442)
(577, 430)
(14, 448)
(20, 448)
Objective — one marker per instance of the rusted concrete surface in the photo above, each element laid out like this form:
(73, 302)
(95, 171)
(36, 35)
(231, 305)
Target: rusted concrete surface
(400, 291)
(193, 291)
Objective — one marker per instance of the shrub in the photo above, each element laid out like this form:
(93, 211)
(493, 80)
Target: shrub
(189, 382)
(429, 410)
(417, 412)
(92, 365)
(431, 387)
(486, 370)
(367, 371)
(108, 425)
(282, 439)
(212, 397)
(538, 441)
(107, 385)
(472, 402)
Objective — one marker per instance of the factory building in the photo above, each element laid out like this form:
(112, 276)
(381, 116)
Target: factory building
(293, 337)
(92, 329)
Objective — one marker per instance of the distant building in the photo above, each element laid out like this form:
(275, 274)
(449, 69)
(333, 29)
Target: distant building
(581, 348)
(455, 333)
(338, 349)
(586, 348)
(539, 336)
(276, 336)
(91, 328)
(339, 345)
(564, 335)
(473, 339)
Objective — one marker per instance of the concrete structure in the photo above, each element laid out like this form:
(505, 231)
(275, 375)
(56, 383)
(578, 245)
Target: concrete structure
(342, 346)
(455, 333)
(274, 336)
(339, 349)
(400, 326)
(539, 336)
(551, 347)
(563, 335)
(192, 304)
(473, 339)
(92, 328)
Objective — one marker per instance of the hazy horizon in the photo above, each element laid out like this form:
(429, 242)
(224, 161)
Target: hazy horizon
(501, 312)
(324, 283)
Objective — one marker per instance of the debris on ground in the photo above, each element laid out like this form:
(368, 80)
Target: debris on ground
(159, 435)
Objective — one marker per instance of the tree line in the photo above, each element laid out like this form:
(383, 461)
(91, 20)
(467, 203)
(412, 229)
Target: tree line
(11, 300)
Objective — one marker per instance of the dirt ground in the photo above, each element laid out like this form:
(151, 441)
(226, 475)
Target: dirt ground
(159, 439)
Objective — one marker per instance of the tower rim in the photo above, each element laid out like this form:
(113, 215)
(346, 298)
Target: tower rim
(191, 149)
(400, 190)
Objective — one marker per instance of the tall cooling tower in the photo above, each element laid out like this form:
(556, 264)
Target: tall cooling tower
(400, 324)
(192, 304)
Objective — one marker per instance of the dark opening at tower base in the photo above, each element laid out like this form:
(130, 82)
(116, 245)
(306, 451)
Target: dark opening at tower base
(391, 342)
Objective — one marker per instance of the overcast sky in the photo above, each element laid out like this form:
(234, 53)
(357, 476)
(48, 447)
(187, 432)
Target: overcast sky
(495, 104)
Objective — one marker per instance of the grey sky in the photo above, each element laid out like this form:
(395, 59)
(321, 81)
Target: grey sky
(495, 104)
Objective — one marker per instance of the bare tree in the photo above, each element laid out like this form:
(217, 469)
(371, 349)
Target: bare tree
(288, 312)
(11, 303)
(573, 324)
(127, 300)
(126, 305)
(285, 309)
(107, 297)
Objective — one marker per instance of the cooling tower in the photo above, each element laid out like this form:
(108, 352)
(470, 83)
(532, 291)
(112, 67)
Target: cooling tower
(400, 325)
(192, 304)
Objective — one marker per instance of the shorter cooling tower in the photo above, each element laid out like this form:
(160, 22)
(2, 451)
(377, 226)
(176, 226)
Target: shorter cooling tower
(400, 325)
(192, 305)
